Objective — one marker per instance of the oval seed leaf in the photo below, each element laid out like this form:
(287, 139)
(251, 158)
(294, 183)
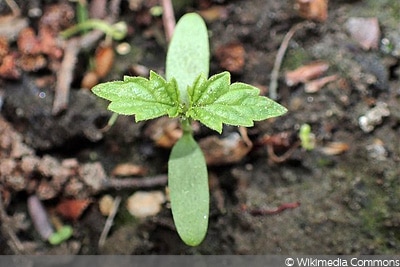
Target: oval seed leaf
(144, 98)
(188, 53)
(188, 186)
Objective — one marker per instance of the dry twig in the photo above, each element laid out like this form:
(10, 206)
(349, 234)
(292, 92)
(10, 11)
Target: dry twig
(72, 49)
(145, 182)
(168, 19)
(65, 76)
(109, 221)
(273, 85)
(14, 8)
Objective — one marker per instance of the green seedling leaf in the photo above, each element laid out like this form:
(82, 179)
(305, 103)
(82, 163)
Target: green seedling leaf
(61, 235)
(307, 138)
(216, 101)
(144, 98)
(188, 186)
(188, 53)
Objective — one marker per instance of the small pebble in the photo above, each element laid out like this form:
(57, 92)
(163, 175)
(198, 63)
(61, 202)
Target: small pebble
(365, 31)
(373, 117)
(106, 204)
(143, 204)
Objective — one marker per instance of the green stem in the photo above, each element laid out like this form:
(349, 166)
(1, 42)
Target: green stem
(117, 31)
(81, 11)
(186, 125)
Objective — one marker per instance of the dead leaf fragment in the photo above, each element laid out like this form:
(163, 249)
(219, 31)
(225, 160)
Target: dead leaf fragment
(365, 31)
(128, 169)
(104, 60)
(335, 148)
(315, 85)
(312, 9)
(72, 208)
(227, 150)
(306, 73)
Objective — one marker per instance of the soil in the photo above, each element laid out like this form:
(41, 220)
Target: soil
(341, 197)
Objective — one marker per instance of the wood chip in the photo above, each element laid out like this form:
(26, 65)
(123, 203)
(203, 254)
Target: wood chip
(104, 60)
(306, 73)
(316, 85)
(312, 9)
(128, 169)
(335, 148)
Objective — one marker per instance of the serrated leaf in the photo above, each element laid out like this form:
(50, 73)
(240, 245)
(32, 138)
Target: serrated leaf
(188, 52)
(144, 98)
(188, 187)
(215, 101)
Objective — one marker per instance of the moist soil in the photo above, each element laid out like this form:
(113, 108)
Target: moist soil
(341, 197)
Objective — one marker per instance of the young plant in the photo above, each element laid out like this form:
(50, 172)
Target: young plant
(189, 94)
(307, 138)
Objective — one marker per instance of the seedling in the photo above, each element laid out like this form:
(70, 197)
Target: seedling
(307, 138)
(62, 234)
(189, 94)
(116, 31)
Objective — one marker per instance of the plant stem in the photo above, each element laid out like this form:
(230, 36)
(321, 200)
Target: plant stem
(116, 31)
(65, 76)
(186, 125)
(109, 222)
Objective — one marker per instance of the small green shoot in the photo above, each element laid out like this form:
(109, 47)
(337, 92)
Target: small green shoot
(188, 93)
(307, 138)
(116, 31)
(63, 234)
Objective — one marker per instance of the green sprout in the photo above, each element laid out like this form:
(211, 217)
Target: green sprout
(307, 138)
(116, 31)
(62, 234)
(188, 93)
